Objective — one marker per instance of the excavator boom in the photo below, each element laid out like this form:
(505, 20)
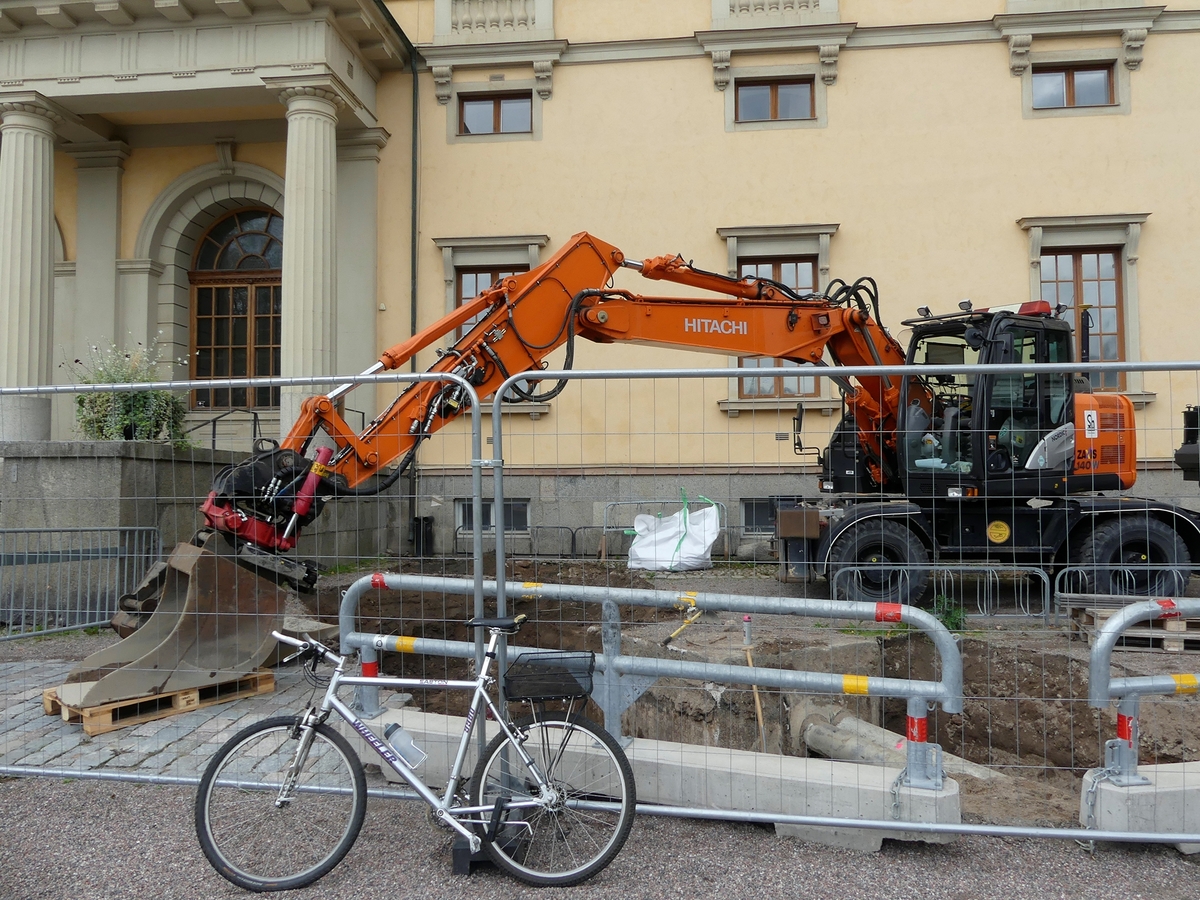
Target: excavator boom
(513, 326)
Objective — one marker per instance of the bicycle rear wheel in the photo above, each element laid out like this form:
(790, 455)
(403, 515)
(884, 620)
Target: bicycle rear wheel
(262, 843)
(572, 836)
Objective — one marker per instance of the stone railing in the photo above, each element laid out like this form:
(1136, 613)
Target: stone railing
(486, 21)
(763, 13)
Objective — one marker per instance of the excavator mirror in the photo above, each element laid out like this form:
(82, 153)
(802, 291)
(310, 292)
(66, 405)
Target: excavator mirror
(974, 337)
(797, 429)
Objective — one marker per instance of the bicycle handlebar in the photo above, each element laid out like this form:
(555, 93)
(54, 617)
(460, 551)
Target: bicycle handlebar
(308, 646)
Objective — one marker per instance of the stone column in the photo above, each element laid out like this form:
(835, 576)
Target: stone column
(26, 262)
(97, 315)
(358, 289)
(309, 341)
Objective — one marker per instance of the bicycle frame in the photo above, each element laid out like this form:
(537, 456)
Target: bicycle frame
(442, 806)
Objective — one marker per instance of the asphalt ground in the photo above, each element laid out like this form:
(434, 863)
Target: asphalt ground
(110, 840)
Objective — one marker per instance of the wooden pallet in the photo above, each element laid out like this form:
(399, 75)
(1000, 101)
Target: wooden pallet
(1171, 635)
(121, 713)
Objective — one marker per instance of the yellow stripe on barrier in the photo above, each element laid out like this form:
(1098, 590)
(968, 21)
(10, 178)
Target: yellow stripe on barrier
(405, 643)
(1186, 684)
(854, 684)
(531, 586)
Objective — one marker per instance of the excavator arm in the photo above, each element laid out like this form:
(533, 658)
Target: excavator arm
(512, 327)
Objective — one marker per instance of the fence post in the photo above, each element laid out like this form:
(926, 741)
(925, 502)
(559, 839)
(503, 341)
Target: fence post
(924, 762)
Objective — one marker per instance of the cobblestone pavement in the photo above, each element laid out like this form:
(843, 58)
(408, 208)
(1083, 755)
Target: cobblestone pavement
(176, 746)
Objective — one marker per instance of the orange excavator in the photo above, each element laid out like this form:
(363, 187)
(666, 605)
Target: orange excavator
(1006, 468)
(920, 469)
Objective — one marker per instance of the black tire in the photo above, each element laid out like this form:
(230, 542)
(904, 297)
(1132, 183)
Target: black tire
(263, 847)
(893, 547)
(562, 844)
(1136, 554)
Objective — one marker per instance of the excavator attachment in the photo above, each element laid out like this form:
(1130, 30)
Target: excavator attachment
(212, 623)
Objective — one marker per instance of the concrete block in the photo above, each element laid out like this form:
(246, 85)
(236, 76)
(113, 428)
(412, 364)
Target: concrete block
(1169, 803)
(675, 774)
(689, 775)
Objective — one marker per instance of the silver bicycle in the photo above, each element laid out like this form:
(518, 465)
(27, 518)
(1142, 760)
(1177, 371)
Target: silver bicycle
(551, 799)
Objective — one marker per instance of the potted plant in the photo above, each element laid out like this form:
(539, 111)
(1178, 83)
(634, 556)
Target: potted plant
(149, 415)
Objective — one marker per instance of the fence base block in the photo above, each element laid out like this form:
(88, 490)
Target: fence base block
(1169, 803)
(689, 775)
(675, 774)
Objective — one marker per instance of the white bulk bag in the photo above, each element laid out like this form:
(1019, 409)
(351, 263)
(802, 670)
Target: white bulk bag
(675, 543)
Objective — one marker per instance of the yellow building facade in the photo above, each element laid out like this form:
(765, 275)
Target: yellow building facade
(356, 168)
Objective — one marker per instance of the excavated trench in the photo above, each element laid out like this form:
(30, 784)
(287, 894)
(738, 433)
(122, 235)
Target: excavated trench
(1025, 714)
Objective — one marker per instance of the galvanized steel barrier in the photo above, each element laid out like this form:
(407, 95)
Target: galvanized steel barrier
(63, 579)
(625, 678)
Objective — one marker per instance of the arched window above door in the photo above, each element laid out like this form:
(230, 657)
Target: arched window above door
(237, 308)
(248, 239)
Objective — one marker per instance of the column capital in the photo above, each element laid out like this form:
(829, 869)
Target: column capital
(289, 88)
(33, 103)
(99, 154)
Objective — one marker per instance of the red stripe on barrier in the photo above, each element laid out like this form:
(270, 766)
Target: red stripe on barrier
(370, 670)
(1170, 610)
(1125, 727)
(377, 580)
(888, 612)
(918, 730)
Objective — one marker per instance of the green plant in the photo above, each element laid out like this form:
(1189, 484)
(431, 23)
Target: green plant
(949, 612)
(149, 415)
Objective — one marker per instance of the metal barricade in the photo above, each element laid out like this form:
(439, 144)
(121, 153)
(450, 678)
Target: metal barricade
(63, 579)
(986, 594)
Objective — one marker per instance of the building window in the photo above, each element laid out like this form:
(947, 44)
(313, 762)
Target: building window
(799, 274)
(496, 114)
(471, 282)
(516, 515)
(237, 308)
(1089, 280)
(766, 101)
(1066, 87)
(763, 98)
(758, 516)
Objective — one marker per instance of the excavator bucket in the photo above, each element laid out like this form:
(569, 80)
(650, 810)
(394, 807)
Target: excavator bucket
(211, 624)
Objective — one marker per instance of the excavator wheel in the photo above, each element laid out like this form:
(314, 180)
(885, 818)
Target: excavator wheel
(891, 546)
(1132, 555)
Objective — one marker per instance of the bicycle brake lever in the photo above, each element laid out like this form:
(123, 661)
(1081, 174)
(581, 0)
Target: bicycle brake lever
(304, 649)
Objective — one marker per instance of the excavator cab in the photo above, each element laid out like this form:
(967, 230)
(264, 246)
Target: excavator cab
(1008, 434)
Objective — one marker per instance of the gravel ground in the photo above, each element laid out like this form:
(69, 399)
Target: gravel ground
(109, 840)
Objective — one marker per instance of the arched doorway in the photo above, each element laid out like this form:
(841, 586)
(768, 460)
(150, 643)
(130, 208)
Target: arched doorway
(236, 303)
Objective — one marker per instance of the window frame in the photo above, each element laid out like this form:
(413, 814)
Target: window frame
(479, 90)
(771, 506)
(497, 101)
(485, 252)
(1069, 90)
(782, 366)
(217, 279)
(1077, 60)
(496, 271)
(778, 74)
(1049, 234)
(746, 242)
(774, 84)
(1077, 281)
(464, 514)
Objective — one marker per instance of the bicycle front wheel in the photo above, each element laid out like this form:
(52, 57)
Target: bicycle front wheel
(262, 840)
(572, 834)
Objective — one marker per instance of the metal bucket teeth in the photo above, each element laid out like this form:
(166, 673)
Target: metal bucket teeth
(212, 624)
